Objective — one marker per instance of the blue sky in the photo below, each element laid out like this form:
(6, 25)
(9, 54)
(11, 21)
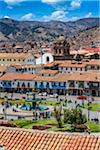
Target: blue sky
(46, 10)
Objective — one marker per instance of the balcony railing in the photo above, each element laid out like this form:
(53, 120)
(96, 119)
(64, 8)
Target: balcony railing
(81, 85)
(58, 87)
(93, 86)
(50, 87)
(71, 85)
(41, 86)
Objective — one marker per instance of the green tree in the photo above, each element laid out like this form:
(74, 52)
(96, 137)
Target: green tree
(58, 114)
(74, 117)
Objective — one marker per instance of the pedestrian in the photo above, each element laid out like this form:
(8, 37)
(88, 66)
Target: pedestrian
(3, 110)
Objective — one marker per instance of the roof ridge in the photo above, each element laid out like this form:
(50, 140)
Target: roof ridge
(46, 132)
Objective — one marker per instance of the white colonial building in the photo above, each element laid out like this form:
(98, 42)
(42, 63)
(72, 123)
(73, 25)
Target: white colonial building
(44, 58)
(52, 82)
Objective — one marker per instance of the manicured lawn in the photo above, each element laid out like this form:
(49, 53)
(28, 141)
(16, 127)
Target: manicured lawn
(42, 102)
(28, 124)
(94, 127)
(48, 103)
(14, 101)
(93, 107)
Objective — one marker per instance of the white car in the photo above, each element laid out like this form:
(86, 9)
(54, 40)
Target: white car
(44, 94)
(40, 94)
(54, 95)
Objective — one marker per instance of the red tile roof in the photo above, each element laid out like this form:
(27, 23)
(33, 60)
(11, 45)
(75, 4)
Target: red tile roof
(21, 139)
(93, 49)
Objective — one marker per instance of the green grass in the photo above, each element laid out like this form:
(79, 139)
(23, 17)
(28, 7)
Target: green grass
(48, 103)
(14, 101)
(43, 102)
(93, 107)
(94, 127)
(28, 124)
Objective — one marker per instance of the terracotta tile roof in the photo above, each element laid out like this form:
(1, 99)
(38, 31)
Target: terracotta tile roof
(43, 78)
(60, 77)
(73, 65)
(93, 49)
(93, 62)
(86, 76)
(48, 71)
(21, 139)
(27, 66)
(3, 68)
(53, 63)
(13, 55)
(17, 76)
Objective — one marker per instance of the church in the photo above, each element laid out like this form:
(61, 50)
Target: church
(61, 49)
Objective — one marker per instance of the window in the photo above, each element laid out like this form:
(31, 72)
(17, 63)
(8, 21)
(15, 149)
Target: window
(3, 59)
(47, 59)
(14, 59)
(60, 51)
(47, 84)
(41, 83)
(18, 84)
(35, 83)
(23, 84)
(28, 84)
(64, 83)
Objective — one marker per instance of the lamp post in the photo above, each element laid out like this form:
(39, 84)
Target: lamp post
(66, 100)
(5, 113)
(88, 94)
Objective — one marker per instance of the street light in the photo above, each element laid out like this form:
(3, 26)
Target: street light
(5, 113)
(88, 94)
(66, 100)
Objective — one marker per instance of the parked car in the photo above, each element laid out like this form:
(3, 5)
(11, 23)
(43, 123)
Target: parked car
(43, 94)
(40, 94)
(54, 95)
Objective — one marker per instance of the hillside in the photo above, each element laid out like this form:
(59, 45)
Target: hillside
(78, 31)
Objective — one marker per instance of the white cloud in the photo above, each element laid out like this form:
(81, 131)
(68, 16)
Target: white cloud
(51, 1)
(28, 17)
(75, 4)
(56, 15)
(74, 18)
(12, 2)
(88, 15)
(6, 17)
(9, 7)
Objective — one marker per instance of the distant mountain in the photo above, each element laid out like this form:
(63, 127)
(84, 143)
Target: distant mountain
(12, 30)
